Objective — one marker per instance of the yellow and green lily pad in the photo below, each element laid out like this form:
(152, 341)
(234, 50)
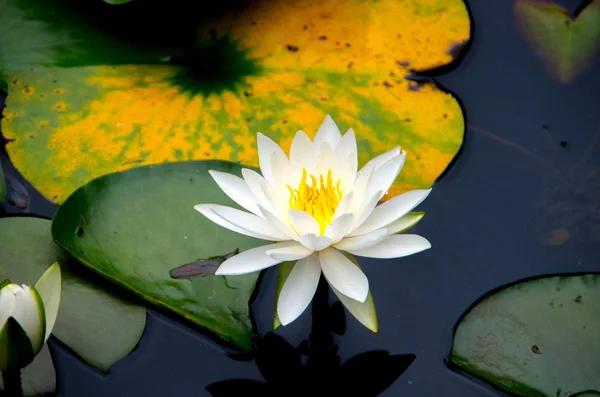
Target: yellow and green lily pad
(274, 67)
(567, 45)
(538, 338)
(97, 323)
(135, 226)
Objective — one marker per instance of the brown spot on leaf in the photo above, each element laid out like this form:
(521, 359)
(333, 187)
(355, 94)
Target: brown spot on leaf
(58, 91)
(322, 37)
(248, 94)
(579, 299)
(386, 84)
(292, 48)
(456, 48)
(536, 349)
(413, 86)
(15, 81)
(403, 64)
(348, 45)
(350, 64)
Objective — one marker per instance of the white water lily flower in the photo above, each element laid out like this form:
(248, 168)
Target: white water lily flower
(315, 204)
(27, 316)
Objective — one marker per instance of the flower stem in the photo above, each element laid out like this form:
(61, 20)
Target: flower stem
(12, 382)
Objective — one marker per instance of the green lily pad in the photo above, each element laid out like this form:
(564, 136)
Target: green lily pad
(262, 68)
(566, 45)
(537, 338)
(2, 186)
(133, 227)
(95, 322)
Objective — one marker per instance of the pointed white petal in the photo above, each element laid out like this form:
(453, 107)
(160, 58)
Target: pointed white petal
(364, 241)
(337, 229)
(299, 289)
(250, 261)
(290, 253)
(384, 158)
(284, 173)
(346, 147)
(237, 189)
(249, 222)
(344, 206)
(395, 246)
(279, 224)
(315, 242)
(208, 210)
(405, 223)
(49, 286)
(391, 210)
(7, 303)
(266, 147)
(327, 132)
(359, 189)
(385, 175)
(302, 149)
(29, 313)
(304, 223)
(326, 161)
(347, 172)
(364, 213)
(255, 181)
(342, 274)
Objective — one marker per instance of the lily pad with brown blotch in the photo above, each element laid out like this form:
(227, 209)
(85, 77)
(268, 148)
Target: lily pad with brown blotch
(273, 67)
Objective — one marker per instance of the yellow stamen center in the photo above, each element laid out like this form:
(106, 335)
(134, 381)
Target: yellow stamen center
(317, 199)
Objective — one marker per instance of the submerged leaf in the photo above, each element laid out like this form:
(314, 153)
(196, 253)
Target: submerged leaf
(96, 323)
(567, 46)
(201, 267)
(274, 67)
(536, 338)
(133, 227)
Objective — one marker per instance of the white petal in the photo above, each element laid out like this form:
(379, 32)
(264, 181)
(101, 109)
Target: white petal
(49, 287)
(302, 149)
(347, 172)
(210, 211)
(250, 261)
(284, 173)
(7, 303)
(299, 289)
(326, 161)
(249, 222)
(255, 181)
(29, 313)
(237, 189)
(337, 229)
(385, 175)
(391, 210)
(364, 241)
(384, 158)
(359, 189)
(279, 224)
(304, 223)
(395, 246)
(346, 147)
(327, 132)
(290, 253)
(364, 213)
(344, 206)
(405, 223)
(266, 147)
(342, 274)
(315, 242)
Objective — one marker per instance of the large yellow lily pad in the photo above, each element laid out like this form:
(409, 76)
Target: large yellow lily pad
(274, 67)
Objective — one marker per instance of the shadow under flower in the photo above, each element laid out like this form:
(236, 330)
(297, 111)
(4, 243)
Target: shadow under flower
(322, 372)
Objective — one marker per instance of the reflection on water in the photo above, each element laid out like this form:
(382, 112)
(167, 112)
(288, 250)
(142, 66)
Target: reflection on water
(366, 374)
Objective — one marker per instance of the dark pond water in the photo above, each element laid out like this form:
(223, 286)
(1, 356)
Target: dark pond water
(529, 166)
